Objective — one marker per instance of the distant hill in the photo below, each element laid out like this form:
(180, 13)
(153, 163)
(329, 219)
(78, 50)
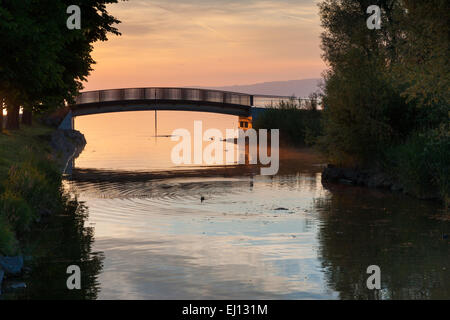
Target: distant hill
(299, 88)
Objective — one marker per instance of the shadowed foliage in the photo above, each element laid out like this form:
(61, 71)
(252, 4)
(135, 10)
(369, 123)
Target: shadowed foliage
(386, 97)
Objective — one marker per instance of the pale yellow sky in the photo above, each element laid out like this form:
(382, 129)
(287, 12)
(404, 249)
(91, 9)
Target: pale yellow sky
(209, 43)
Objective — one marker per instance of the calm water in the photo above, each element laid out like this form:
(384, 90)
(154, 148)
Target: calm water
(253, 237)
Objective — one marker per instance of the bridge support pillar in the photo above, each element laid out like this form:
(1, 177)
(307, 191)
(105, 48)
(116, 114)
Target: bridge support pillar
(68, 122)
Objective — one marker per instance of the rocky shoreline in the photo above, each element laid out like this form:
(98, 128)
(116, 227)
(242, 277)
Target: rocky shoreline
(66, 145)
(368, 178)
(11, 267)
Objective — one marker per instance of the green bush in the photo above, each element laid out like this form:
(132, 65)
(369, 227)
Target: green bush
(386, 98)
(297, 126)
(363, 113)
(16, 211)
(31, 189)
(422, 163)
(38, 186)
(8, 241)
(438, 147)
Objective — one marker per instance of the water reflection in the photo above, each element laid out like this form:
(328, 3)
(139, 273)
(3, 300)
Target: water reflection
(252, 237)
(127, 141)
(405, 237)
(228, 233)
(59, 242)
(264, 238)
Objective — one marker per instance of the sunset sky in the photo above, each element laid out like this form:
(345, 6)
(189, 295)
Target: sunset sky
(209, 43)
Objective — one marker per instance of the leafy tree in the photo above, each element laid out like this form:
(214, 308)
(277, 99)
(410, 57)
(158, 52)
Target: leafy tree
(25, 62)
(43, 63)
(361, 103)
(75, 55)
(424, 48)
(386, 97)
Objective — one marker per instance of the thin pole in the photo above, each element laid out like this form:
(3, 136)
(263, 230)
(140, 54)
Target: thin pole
(156, 119)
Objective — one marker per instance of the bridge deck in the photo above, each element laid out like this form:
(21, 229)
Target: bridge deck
(166, 94)
(157, 98)
(181, 95)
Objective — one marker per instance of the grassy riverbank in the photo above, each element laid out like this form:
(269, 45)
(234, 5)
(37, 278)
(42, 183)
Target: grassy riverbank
(39, 221)
(30, 184)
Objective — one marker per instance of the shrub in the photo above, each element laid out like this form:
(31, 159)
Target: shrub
(30, 185)
(422, 163)
(16, 211)
(298, 127)
(38, 186)
(437, 150)
(31, 189)
(8, 241)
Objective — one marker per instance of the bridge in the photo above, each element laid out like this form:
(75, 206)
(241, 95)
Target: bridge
(180, 99)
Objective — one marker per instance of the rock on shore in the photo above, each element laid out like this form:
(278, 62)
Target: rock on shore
(67, 144)
(11, 265)
(372, 179)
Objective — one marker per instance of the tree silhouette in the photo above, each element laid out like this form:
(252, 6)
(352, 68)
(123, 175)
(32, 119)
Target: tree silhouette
(42, 62)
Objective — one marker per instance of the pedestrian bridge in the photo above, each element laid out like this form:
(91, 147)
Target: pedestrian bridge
(180, 99)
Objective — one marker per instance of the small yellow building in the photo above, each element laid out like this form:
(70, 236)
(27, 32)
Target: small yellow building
(245, 123)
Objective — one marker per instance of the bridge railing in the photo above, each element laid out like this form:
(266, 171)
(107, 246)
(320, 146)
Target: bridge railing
(180, 94)
(265, 101)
